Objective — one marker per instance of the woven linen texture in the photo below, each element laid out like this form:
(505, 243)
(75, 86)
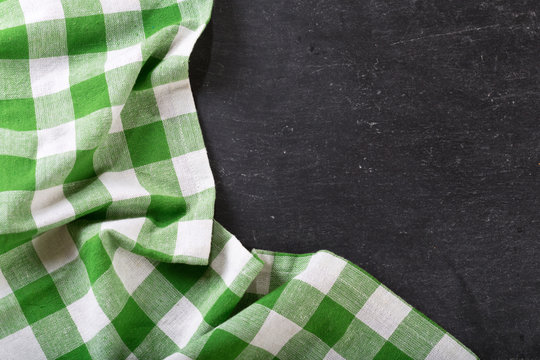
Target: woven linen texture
(108, 249)
(99, 124)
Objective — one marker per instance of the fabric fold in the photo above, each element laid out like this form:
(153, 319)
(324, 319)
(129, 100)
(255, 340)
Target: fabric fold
(105, 110)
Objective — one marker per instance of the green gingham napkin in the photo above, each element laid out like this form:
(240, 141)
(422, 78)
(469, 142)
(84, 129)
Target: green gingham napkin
(98, 123)
(108, 249)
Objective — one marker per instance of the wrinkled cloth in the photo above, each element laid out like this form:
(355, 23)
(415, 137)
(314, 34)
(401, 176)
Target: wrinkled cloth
(108, 248)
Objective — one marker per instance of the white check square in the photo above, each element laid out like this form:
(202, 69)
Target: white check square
(121, 57)
(55, 248)
(261, 284)
(184, 41)
(116, 124)
(131, 268)
(123, 185)
(322, 271)
(231, 260)
(181, 322)
(49, 75)
(333, 355)
(115, 6)
(88, 316)
(174, 99)
(130, 227)
(383, 312)
(276, 331)
(448, 349)
(193, 172)
(21, 345)
(193, 238)
(41, 10)
(57, 140)
(5, 289)
(50, 206)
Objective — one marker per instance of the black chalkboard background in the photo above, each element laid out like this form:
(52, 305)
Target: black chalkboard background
(402, 135)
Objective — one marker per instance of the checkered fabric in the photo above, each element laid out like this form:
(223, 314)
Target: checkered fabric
(71, 296)
(98, 121)
(108, 249)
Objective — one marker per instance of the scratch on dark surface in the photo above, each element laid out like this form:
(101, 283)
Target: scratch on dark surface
(451, 33)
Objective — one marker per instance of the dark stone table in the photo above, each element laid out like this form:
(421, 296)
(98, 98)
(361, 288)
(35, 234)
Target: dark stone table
(402, 135)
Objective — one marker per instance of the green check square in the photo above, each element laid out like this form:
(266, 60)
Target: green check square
(147, 144)
(49, 299)
(223, 343)
(222, 308)
(132, 324)
(329, 322)
(86, 34)
(156, 19)
(19, 173)
(144, 79)
(80, 353)
(181, 276)
(389, 351)
(90, 95)
(18, 114)
(165, 210)
(14, 43)
(95, 258)
(83, 168)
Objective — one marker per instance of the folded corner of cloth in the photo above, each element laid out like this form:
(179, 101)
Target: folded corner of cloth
(108, 247)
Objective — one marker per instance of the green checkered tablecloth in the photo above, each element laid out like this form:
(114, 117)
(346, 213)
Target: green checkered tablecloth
(108, 248)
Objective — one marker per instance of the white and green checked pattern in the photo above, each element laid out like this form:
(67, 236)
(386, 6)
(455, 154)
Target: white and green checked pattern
(108, 249)
(98, 121)
(69, 296)
(66, 295)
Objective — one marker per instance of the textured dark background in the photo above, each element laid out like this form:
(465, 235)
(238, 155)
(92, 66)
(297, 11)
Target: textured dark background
(402, 135)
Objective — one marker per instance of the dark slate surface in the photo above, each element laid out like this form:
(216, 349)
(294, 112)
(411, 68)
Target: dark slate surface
(402, 135)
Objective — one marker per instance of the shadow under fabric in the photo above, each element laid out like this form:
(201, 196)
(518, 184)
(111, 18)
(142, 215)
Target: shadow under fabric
(108, 247)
